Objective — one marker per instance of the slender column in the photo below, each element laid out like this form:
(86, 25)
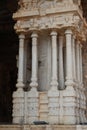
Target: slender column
(53, 93)
(61, 70)
(34, 83)
(18, 96)
(69, 75)
(81, 78)
(20, 84)
(54, 82)
(78, 61)
(33, 94)
(69, 93)
(74, 58)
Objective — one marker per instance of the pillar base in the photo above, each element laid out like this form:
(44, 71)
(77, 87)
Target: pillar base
(33, 105)
(53, 106)
(18, 107)
(70, 106)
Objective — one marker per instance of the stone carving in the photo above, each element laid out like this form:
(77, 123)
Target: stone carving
(28, 4)
(59, 16)
(18, 107)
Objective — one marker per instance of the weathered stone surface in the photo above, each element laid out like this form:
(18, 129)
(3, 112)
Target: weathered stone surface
(43, 127)
(45, 21)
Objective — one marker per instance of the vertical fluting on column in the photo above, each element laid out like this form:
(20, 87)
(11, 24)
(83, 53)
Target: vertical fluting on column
(33, 94)
(34, 83)
(61, 69)
(69, 93)
(18, 96)
(53, 93)
(54, 82)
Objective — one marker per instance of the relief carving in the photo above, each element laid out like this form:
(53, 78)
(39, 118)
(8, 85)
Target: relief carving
(28, 4)
(40, 4)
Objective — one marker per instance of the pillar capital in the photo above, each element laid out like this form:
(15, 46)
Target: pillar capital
(68, 31)
(53, 33)
(21, 36)
(34, 35)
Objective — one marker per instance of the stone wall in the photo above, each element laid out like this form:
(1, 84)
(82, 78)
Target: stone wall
(85, 68)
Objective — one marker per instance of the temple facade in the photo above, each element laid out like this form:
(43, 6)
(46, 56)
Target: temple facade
(50, 73)
(43, 65)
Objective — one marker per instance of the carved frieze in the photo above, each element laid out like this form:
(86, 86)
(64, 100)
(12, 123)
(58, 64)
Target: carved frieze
(44, 4)
(48, 14)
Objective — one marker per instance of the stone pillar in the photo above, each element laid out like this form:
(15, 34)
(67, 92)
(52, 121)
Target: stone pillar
(18, 96)
(61, 70)
(69, 75)
(73, 59)
(34, 83)
(33, 95)
(69, 93)
(53, 93)
(78, 61)
(54, 82)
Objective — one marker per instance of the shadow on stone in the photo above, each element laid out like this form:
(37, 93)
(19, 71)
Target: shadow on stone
(40, 123)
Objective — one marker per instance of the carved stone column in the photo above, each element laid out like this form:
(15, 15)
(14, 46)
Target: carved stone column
(54, 82)
(34, 83)
(69, 75)
(73, 58)
(18, 96)
(53, 93)
(78, 61)
(33, 95)
(61, 70)
(69, 93)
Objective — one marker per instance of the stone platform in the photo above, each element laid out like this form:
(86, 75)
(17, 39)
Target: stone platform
(43, 127)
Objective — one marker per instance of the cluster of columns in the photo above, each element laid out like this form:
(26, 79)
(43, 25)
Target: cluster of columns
(73, 66)
(73, 60)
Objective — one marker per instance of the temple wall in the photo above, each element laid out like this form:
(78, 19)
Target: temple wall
(84, 54)
(44, 61)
